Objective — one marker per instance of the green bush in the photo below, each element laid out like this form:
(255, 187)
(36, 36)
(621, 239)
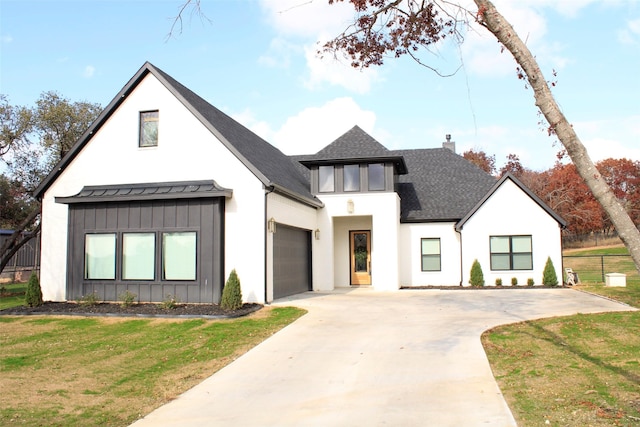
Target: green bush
(33, 294)
(127, 298)
(549, 276)
(530, 281)
(477, 278)
(232, 293)
(514, 281)
(498, 282)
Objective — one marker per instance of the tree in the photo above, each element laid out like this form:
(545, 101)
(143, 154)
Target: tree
(232, 293)
(402, 27)
(481, 159)
(32, 141)
(33, 294)
(549, 276)
(513, 166)
(477, 277)
(623, 176)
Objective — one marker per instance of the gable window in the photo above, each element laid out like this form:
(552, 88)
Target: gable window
(511, 253)
(179, 256)
(138, 256)
(149, 129)
(376, 176)
(100, 256)
(430, 251)
(351, 176)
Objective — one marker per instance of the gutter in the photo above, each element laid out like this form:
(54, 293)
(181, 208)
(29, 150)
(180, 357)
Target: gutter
(461, 259)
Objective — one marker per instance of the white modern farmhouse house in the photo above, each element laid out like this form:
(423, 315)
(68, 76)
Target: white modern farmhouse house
(164, 195)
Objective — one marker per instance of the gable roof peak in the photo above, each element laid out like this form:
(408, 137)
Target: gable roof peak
(355, 143)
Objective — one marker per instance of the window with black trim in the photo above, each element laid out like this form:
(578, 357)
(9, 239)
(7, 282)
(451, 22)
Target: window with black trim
(351, 177)
(376, 176)
(326, 180)
(100, 256)
(511, 253)
(179, 256)
(138, 256)
(149, 128)
(430, 252)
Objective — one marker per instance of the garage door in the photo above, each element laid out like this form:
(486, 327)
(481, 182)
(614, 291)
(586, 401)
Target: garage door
(291, 261)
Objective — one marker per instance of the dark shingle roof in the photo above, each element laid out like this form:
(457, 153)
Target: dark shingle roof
(440, 185)
(355, 143)
(266, 162)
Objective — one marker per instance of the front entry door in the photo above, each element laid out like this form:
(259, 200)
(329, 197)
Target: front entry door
(360, 249)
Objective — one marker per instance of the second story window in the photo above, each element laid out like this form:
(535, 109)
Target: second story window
(326, 180)
(351, 177)
(148, 129)
(376, 176)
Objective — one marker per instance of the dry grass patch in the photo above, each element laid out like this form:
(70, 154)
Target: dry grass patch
(61, 371)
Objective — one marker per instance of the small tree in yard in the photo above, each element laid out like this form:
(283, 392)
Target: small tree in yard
(549, 276)
(477, 278)
(232, 294)
(33, 295)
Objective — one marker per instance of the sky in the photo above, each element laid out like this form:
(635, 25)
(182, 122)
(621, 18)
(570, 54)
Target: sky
(257, 61)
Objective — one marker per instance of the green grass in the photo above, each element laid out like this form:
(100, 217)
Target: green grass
(577, 370)
(570, 371)
(111, 371)
(15, 295)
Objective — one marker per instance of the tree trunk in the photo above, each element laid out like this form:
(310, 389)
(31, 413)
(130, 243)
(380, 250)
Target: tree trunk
(491, 19)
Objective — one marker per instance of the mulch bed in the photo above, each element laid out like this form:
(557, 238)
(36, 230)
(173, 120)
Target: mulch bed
(135, 310)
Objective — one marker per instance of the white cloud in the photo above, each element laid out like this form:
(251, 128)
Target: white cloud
(630, 34)
(312, 128)
(6, 39)
(338, 72)
(612, 138)
(89, 71)
(279, 54)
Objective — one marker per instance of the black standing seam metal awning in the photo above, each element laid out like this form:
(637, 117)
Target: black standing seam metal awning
(150, 191)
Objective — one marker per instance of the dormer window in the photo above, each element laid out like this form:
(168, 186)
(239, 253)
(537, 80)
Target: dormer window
(326, 181)
(148, 129)
(376, 176)
(351, 176)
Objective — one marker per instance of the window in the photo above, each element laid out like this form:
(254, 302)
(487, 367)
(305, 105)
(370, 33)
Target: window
(376, 176)
(179, 256)
(149, 129)
(138, 256)
(326, 180)
(100, 256)
(351, 176)
(511, 253)
(430, 249)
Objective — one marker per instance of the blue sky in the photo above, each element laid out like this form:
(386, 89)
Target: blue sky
(256, 60)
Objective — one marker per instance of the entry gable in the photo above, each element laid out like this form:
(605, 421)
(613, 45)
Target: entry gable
(523, 188)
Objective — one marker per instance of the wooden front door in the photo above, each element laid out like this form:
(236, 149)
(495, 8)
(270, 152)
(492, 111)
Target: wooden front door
(360, 250)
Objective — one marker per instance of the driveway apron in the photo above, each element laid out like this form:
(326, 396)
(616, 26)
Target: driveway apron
(366, 358)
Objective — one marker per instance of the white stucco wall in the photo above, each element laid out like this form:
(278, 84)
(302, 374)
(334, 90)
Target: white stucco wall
(186, 151)
(411, 273)
(510, 211)
(378, 212)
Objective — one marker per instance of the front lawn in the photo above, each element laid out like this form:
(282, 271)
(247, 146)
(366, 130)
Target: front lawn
(12, 294)
(81, 371)
(580, 370)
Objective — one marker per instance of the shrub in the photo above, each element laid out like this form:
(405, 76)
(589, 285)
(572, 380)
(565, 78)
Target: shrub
(514, 281)
(549, 277)
(170, 303)
(498, 282)
(33, 294)
(530, 281)
(89, 300)
(477, 278)
(232, 293)
(127, 298)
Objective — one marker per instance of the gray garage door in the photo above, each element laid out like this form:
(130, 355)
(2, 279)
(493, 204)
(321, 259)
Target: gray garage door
(291, 261)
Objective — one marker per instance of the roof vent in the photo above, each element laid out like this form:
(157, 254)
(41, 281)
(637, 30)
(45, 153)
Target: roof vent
(451, 145)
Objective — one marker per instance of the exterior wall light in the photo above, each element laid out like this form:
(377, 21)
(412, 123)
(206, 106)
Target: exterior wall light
(350, 206)
(271, 225)
(317, 234)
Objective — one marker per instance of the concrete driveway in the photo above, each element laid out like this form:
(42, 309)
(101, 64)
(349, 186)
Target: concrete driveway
(367, 358)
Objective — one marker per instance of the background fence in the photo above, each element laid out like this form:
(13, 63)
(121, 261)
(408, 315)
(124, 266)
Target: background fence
(593, 268)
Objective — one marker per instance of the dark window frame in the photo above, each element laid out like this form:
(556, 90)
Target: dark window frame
(357, 176)
(511, 253)
(147, 117)
(424, 257)
(333, 179)
(369, 180)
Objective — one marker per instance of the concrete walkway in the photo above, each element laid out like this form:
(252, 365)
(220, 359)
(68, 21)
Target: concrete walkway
(367, 358)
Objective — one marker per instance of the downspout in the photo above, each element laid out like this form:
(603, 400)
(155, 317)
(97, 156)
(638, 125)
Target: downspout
(270, 189)
(461, 259)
